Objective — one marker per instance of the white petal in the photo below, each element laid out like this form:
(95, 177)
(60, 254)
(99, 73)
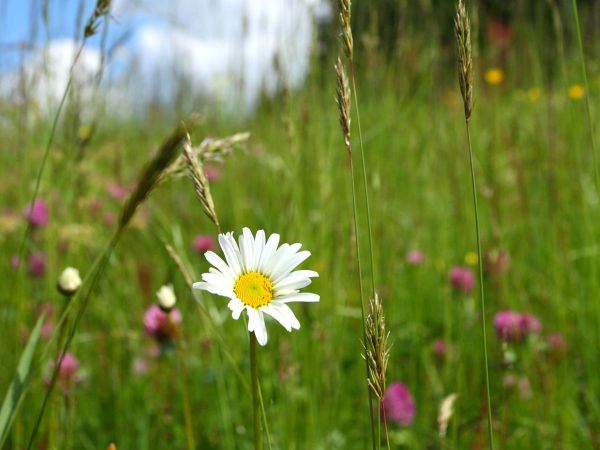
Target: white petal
(217, 284)
(200, 285)
(268, 252)
(236, 306)
(259, 245)
(232, 253)
(247, 249)
(295, 278)
(285, 267)
(256, 324)
(217, 262)
(283, 314)
(261, 330)
(280, 258)
(299, 297)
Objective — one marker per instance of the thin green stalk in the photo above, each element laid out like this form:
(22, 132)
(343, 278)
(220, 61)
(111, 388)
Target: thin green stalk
(587, 95)
(187, 410)
(102, 262)
(385, 430)
(365, 184)
(362, 296)
(256, 411)
(481, 290)
(264, 415)
(49, 143)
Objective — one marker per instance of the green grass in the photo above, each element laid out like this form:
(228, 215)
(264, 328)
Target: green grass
(537, 202)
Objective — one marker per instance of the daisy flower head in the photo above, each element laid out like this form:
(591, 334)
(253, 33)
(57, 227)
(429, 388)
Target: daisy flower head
(258, 276)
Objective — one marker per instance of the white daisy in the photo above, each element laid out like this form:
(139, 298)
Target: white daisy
(259, 277)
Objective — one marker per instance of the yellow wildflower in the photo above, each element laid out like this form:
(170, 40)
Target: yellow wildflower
(576, 91)
(494, 76)
(471, 259)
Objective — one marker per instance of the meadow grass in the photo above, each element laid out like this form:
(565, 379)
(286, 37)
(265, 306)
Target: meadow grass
(539, 205)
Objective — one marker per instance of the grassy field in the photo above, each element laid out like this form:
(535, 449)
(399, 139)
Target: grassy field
(539, 208)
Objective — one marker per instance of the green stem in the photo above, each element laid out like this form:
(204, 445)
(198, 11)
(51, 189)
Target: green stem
(255, 394)
(365, 184)
(385, 427)
(587, 95)
(370, 243)
(187, 410)
(481, 290)
(362, 296)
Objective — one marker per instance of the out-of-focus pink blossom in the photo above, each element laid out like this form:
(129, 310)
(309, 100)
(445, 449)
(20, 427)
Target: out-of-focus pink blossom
(203, 243)
(160, 324)
(212, 173)
(48, 325)
(508, 325)
(37, 213)
(557, 344)
(15, 261)
(117, 191)
(530, 324)
(415, 257)
(398, 404)
(37, 265)
(440, 348)
(462, 279)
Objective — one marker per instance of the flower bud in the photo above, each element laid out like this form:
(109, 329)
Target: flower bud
(69, 281)
(166, 297)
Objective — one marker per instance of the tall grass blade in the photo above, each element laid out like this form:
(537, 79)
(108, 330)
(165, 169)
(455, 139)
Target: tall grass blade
(14, 395)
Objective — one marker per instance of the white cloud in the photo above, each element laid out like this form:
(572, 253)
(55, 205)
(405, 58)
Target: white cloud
(221, 50)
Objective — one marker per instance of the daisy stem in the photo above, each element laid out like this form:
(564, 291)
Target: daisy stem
(587, 95)
(255, 394)
(481, 290)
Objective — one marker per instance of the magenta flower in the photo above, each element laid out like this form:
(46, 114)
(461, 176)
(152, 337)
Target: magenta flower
(508, 325)
(530, 324)
(462, 279)
(69, 365)
(15, 262)
(398, 404)
(203, 243)
(160, 324)
(557, 343)
(212, 173)
(440, 348)
(37, 214)
(117, 191)
(37, 265)
(415, 257)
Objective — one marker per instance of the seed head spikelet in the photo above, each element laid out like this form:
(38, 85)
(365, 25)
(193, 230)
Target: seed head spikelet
(151, 173)
(345, 16)
(462, 29)
(200, 182)
(343, 102)
(102, 8)
(376, 349)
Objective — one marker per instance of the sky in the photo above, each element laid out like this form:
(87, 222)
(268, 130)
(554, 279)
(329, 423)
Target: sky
(228, 51)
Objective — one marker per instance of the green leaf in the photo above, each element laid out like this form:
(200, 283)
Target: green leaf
(17, 388)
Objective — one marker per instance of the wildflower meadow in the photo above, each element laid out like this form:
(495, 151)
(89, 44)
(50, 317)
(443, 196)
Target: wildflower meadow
(299, 225)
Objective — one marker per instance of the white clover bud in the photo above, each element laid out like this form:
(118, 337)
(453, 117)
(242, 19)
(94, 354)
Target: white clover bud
(69, 281)
(166, 297)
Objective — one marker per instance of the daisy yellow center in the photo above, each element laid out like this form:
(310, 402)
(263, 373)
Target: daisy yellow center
(254, 289)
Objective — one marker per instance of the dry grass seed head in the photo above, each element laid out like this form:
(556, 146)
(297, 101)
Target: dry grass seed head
(376, 350)
(343, 102)
(345, 16)
(462, 29)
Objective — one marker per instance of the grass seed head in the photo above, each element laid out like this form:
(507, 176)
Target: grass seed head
(200, 181)
(376, 350)
(343, 102)
(102, 9)
(150, 175)
(462, 28)
(345, 16)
